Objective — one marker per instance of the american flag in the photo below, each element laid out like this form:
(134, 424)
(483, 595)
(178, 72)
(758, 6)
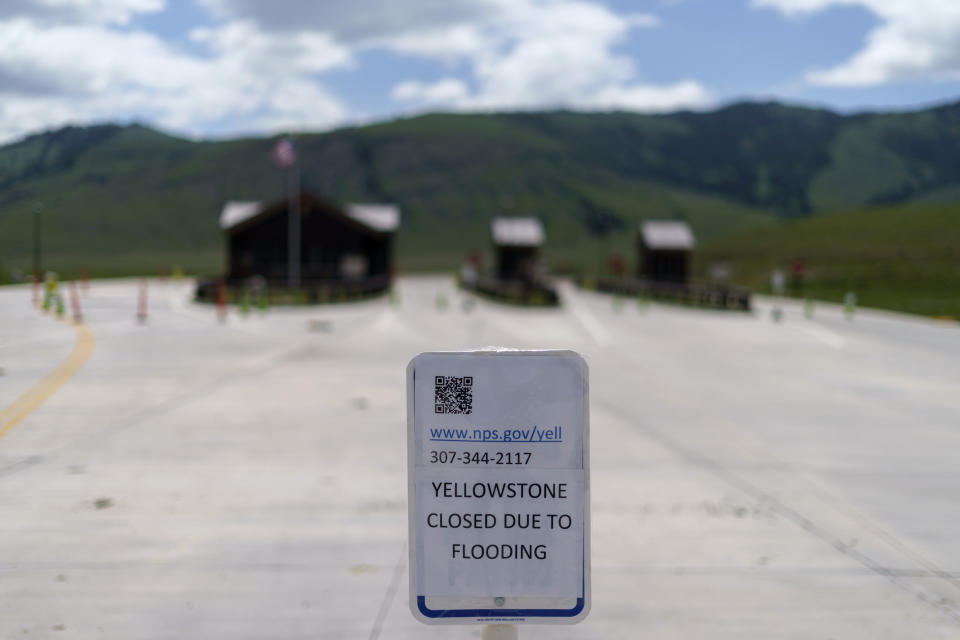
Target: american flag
(283, 154)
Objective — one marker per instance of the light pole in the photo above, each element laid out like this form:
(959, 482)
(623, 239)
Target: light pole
(293, 227)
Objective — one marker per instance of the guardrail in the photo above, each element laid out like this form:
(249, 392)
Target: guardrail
(278, 292)
(528, 293)
(694, 294)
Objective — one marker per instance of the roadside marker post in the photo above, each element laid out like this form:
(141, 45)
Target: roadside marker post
(49, 290)
(849, 304)
(142, 302)
(777, 286)
(36, 289)
(498, 488)
(244, 305)
(221, 301)
(75, 303)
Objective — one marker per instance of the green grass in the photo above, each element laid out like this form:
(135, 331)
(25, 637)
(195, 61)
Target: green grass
(71, 266)
(903, 258)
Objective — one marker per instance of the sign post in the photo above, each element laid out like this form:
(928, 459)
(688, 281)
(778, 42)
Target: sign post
(498, 473)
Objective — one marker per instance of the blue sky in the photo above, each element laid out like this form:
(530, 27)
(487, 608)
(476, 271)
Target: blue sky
(212, 68)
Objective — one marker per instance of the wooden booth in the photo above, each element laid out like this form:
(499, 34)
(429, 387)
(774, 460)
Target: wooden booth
(519, 276)
(517, 243)
(348, 248)
(665, 247)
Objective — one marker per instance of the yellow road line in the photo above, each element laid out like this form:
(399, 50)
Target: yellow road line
(38, 393)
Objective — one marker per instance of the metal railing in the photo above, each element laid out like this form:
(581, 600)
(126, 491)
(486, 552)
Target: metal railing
(523, 292)
(278, 291)
(712, 296)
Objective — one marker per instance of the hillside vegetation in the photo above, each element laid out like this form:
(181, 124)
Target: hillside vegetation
(127, 199)
(905, 258)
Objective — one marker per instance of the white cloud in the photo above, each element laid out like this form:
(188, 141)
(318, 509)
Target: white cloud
(796, 7)
(651, 98)
(79, 11)
(444, 92)
(454, 94)
(554, 57)
(447, 45)
(352, 21)
(87, 73)
(252, 50)
(915, 40)
(541, 54)
(78, 61)
(520, 53)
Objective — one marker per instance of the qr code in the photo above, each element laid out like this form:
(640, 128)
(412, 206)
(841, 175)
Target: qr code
(453, 394)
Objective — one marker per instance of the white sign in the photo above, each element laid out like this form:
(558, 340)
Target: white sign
(498, 487)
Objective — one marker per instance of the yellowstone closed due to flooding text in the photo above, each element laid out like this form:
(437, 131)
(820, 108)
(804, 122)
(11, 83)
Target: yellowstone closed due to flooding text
(498, 511)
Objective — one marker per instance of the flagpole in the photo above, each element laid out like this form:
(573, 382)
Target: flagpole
(293, 225)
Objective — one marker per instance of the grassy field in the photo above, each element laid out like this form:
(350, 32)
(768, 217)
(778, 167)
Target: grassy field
(115, 264)
(903, 258)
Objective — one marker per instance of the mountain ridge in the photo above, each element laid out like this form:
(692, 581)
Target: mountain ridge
(130, 189)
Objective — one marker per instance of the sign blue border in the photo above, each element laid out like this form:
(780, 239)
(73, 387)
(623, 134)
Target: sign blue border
(503, 613)
(498, 613)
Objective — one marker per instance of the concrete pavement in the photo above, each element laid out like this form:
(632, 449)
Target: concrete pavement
(750, 478)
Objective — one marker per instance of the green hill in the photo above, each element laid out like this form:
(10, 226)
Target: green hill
(119, 200)
(905, 258)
